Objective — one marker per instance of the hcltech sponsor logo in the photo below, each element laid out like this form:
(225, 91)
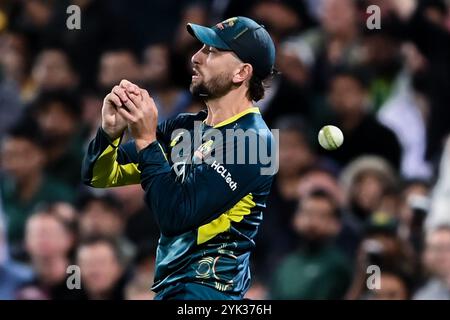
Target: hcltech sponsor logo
(220, 169)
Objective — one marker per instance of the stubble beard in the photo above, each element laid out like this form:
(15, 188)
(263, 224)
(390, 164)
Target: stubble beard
(215, 88)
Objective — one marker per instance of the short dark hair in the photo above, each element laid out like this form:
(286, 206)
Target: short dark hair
(28, 129)
(325, 195)
(403, 275)
(48, 210)
(106, 198)
(256, 88)
(112, 242)
(359, 74)
(68, 100)
(292, 122)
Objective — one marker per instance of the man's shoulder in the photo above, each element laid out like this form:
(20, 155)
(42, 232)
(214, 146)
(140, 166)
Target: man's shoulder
(188, 118)
(254, 122)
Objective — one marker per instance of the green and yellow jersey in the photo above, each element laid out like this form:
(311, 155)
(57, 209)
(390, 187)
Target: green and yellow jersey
(208, 212)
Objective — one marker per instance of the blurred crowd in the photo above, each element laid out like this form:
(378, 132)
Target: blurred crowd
(380, 202)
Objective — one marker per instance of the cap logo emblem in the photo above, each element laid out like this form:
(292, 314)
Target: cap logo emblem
(227, 23)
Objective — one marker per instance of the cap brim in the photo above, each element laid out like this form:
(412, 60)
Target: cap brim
(206, 36)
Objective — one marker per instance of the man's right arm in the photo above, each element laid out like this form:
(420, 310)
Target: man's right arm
(108, 163)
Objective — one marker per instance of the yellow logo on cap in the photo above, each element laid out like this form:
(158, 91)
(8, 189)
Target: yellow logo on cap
(227, 23)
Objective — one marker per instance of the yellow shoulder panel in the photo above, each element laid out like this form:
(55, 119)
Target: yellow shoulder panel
(223, 223)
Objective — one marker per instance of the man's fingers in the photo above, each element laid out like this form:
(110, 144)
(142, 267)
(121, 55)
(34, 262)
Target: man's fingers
(145, 94)
(129, 86)
(114, 99)
(132, 106)
(126, 115)
(136, 99)
(120, 92)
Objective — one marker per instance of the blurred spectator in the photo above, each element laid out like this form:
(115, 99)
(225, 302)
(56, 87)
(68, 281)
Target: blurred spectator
(281, 18)
(103, 25)
(296, 156)
(336, 41)
(138, 289)
(437, 263)
(10, 105)
(24, 183)
(48, 241)
(295, 61)
(323, 179)
(103, 266)
(282, 97)
(116, 65)
(15, 64)
(91, 109)
(191, 13)
(365, 181)
(405, 112)
(363, 134)
(318, 269)
(58, 114)
(440, 195)
(141, 227)
(383, 58)
(257, 291)
(101, 214)
(12, 275)
(393, 286)
(381, 247)
(53, 70)
(32, 18)
(425, 29)
(413, 210)
(160, 80)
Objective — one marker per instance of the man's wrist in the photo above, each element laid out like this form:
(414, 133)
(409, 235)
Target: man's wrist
(144, 142)
(111, 135)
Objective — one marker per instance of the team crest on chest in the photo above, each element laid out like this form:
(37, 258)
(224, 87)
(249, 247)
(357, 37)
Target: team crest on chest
(203, 151)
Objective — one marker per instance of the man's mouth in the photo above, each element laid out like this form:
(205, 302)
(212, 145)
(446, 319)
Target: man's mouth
(195, 74)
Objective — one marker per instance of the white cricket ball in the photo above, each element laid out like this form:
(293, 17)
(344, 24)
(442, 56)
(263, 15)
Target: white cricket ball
(330, 137)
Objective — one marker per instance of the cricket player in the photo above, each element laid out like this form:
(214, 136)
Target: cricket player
(208, 208)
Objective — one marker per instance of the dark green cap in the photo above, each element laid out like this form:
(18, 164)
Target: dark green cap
(249, 40)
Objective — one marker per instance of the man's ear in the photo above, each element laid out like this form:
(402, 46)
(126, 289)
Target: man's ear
(243, 73)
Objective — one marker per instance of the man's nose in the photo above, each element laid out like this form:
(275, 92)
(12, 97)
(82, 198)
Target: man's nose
(197, 57)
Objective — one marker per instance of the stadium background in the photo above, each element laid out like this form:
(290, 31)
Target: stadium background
(382, 199)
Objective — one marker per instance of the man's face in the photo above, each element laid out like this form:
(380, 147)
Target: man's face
(338, 16)
(315, 219)
(214, 71)
(99, 266)
(391, 288)
(45, 237)
(115, 66)
(156, 66)
(368, 191)
(98, 219)
(437, 254)
(56, 123)
(20, 157)
(52, 71)
(346, 95)
(295, 153)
